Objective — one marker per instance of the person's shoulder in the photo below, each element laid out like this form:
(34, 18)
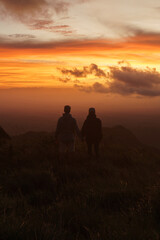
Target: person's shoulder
(60, 118)
(73, 119)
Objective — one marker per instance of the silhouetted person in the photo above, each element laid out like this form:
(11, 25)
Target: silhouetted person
(92, 132)
(66, 132)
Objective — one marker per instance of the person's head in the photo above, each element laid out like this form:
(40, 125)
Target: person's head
(67, 109)
(92, 111)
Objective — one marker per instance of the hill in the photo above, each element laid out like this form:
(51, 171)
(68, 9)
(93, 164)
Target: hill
(115, 197)
(116, 137)
(5, 141)
(119, 135)
(3, 135)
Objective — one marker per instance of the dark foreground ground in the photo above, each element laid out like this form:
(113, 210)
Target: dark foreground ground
(115, 197)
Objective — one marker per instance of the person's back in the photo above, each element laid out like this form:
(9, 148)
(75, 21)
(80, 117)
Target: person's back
(92, 132)
(91, 129)
(66, 131)
(66, 128)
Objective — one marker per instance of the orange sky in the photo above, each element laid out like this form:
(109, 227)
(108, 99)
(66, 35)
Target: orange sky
(104, 55)
(39, 66)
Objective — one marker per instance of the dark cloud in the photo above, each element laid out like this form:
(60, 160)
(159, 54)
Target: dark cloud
(64, 80)
(83, 88)
(22, 36)
(41, 24)
(146, 42)
(59, 27)
(25, 10)
(91, 69)
(64, 32)
(76, 81)
(48, 25)
(71, 45)
(37, 14)
(67, 79)
(123, 80)
(28, 10)
(96, 87)
(94, 69)
(136, 36)
(144, 38)
(133, 77)
(75, 72)
(124, 62)
(128, 81)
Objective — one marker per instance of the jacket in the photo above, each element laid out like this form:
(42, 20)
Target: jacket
(67, 128)
(92, 128)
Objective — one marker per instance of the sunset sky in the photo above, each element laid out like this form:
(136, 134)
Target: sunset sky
(99, 49)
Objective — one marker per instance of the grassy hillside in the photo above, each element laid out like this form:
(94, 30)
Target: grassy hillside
(114, 197)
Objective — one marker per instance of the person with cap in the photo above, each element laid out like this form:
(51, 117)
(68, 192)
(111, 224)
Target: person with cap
(66, 132)
(92, 132)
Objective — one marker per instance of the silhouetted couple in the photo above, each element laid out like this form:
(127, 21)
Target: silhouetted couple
(67, 130)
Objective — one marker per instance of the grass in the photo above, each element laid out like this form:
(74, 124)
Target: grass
(115, 197)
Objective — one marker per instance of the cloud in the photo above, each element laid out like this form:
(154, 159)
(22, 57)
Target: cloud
(141, 42)
(133, 77)
(22, 36)
(91, 69)
(41, 24)
(124, 62)
(28, 10)
(75, 72)
(47, 25)
(64, 80)
(37, 14)
(144, 39)
(84, 88)
(94, 69)
(96, 87)
(128, 81)
(38, 61)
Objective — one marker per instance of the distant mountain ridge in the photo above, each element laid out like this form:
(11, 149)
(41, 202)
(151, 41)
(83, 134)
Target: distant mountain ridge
(119, 135)
(118, 144)
(4, 138)
(3, 134)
